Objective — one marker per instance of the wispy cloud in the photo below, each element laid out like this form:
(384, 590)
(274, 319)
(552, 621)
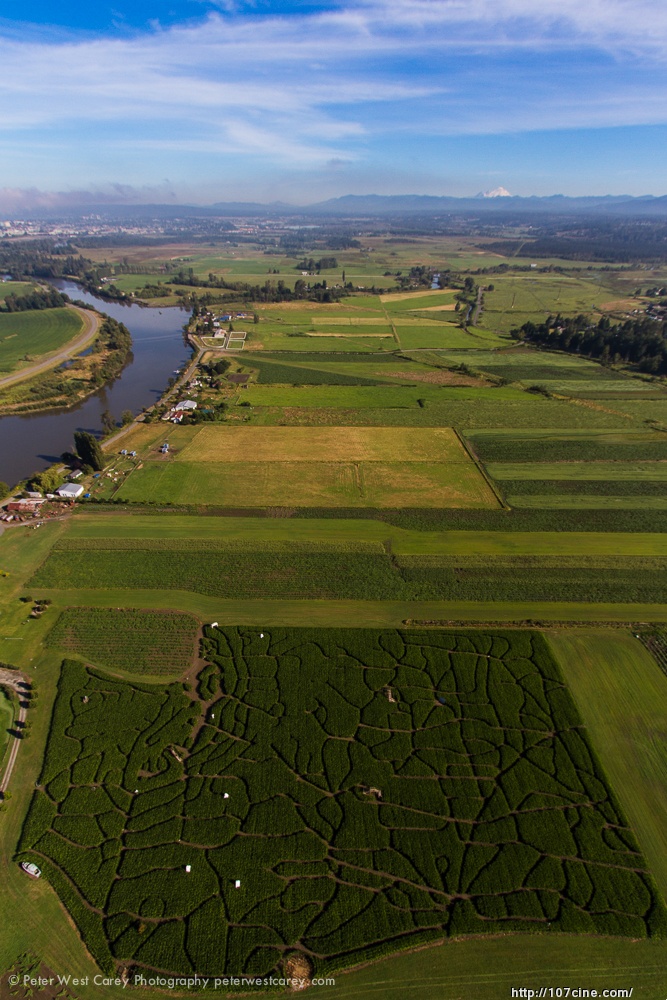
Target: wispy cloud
(308, 88)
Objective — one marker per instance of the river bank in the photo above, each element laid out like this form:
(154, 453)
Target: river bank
(30, 442)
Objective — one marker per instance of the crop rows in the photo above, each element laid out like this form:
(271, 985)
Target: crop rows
(584, 487)
(151, 642)
(368, 790)
(506, 448)
(272, 372)
(354, 575)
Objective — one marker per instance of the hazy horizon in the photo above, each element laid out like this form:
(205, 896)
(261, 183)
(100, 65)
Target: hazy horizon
(274, 100)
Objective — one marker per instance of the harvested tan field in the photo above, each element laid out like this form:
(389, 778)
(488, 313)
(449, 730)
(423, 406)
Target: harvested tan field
(324, 444)
(436, 377)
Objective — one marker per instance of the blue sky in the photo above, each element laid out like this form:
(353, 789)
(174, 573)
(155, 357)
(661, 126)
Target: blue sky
(205, 100)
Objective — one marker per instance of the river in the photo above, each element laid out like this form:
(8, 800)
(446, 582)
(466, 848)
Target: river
(31, 442)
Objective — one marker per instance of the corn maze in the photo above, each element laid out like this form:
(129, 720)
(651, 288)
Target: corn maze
(338, 793)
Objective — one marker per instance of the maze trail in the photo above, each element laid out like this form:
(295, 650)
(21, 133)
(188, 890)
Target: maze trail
(370, 790)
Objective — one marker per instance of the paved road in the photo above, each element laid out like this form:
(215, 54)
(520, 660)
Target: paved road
(12, 679)
(91, 324)
(478, 307)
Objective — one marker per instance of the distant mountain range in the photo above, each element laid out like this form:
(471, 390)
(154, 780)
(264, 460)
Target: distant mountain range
(376, 205)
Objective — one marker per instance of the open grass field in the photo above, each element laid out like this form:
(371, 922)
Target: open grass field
(329, 613)
(15, 288)
(489, 969)
(334, 444)
(517, 298)
(455, 758)
(380, 397)
(310, 484)
(621, 693)
(29, 335)
(320, 466)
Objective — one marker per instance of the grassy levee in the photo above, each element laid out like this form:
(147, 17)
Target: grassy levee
(353, 614)
(621, 694)
(488, 969)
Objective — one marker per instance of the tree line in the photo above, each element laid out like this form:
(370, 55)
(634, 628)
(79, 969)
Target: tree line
(38, 299)
(641, 342)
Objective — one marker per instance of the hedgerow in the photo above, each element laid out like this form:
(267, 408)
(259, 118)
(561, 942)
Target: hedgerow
(389, 787)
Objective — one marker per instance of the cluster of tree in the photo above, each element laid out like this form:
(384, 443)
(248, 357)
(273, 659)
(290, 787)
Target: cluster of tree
(47, 481)
(39, 299)
(641, 342)
(617, 240)
(298, 241)
(323, 264)
(41, 259)
(115, 340)
(268, 292)
(89, 450)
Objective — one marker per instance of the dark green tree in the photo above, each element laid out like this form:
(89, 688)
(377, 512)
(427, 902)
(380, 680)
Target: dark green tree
(89, 450)
(108, 422)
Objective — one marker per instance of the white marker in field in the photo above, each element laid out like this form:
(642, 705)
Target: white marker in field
(261, 635)
(188, 868)
(226, 795)
(237, 884)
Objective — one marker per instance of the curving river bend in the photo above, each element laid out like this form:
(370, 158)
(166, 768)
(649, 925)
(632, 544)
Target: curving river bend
(31, 442)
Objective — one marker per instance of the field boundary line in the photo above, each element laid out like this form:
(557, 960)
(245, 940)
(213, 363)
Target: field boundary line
(472, 455)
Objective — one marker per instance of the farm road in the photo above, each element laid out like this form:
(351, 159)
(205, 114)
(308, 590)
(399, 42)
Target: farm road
(13, 679)
(91, 324)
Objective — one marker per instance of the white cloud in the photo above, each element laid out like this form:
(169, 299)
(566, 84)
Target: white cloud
(307, 88)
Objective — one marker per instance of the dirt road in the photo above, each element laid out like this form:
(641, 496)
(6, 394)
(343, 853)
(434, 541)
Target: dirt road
(13, 679)
(91, 324)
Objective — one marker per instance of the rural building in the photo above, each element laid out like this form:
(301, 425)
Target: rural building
(24, 506)
(70, 491)
(75, 475)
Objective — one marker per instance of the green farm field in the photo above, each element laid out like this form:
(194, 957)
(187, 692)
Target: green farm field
(310, 484)
(604, 470)
(106, 530)
(528, 844)
(362, 467)
(551, 445)
(152, 642)
(15, 288)
(34, 334)
(621, 693)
